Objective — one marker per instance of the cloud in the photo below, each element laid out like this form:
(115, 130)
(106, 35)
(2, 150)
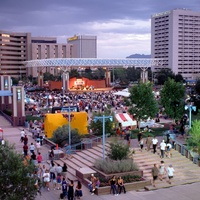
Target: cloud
(122, 27)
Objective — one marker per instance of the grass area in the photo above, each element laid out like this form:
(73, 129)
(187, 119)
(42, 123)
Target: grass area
(196, 117)
(30, 117)
(155, 132)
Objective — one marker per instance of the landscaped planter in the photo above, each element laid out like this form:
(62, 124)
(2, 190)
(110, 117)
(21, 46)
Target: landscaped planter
(129, 186)
(109, 176)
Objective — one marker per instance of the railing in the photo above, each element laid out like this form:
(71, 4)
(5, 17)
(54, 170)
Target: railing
(181, 148)
(8, 118)
(85, 144)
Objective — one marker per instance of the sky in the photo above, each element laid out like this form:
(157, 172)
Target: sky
(122, 27)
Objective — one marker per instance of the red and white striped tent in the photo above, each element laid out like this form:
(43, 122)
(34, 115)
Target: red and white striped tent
(125, 119)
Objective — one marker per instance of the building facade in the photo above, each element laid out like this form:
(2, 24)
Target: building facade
(14, 49)
(175, 37)
(44, 48)
(83, 46)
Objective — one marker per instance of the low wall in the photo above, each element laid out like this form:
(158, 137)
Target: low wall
(109, 176)
(129, 186)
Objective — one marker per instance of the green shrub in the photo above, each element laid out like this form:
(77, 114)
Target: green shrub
(8, 112)
(118, 151)
(109, 166)
(61, 136)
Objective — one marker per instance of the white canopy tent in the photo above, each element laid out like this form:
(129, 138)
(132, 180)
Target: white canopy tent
(124, 93)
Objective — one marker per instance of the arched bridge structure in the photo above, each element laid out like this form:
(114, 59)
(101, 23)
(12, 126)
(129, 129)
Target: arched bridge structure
(66, 64)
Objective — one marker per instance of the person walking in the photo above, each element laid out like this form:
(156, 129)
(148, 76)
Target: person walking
(169, 150)
(64, 170)
(154, 142)
(46, 178)
(78, 191)
(162, 149)
(25, 139)
(71, 190)
(162, 170)
(64, 187)
(39, 158)
(155, 173)
(148, 142)
(22, 135)
(141, 144)
(25, 149)
(170, 173)
(32, 147)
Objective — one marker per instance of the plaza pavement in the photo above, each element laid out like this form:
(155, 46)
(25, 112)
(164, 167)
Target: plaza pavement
(182, 192)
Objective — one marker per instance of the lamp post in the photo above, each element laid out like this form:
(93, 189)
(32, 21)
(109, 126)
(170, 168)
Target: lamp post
(103, 118)
(190, 108)
(69, 117)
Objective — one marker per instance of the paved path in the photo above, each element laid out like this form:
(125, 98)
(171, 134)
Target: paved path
(183, 192)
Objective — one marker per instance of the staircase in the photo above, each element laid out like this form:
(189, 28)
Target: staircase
(186, 171)
(81, 159)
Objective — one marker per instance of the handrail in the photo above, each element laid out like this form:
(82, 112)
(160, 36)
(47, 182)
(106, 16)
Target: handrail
(86, 144)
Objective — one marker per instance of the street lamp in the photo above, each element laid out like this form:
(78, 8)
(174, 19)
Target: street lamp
(69, 116)
(103, 118)
(190, 108)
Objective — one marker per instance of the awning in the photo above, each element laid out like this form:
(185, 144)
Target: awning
(5, 93)
(125, 119)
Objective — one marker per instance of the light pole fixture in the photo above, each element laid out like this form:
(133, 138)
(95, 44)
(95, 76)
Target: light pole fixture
(103, 119)
(190, 108)
(69, 116)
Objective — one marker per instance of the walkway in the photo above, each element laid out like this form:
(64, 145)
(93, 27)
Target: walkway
(183, 192)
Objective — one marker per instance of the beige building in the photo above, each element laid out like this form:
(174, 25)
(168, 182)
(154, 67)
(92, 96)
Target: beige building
(83, 46)
(175, 37)
(18, 47)
(44, 48)
(13, 51)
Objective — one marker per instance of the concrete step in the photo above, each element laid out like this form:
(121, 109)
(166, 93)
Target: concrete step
(94, 156)
(70, 171)
(85, 156)
(95, 152)
(82, 160)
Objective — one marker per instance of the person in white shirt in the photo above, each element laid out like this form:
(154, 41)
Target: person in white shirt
(162, 149)
(58, 169)
(32, 148)
(22, 135)
(169, 150)
(170, 173)
(154, 142)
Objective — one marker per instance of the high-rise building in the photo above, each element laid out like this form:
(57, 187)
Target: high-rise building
(83, 46)
(15, 48)
(13, 51)
(47, 47)
(175, 38)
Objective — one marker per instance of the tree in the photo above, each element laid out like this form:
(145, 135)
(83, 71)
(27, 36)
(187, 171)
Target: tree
(61, 136)
(197, 86)
(172, 99)
(193, 141)
(16, 178)
(74, 73)
(163, 75)
(97, 126)
(142, 103)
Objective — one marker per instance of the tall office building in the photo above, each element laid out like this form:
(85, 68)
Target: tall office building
(47, 47)
(13, 51)
(83, 46)
(175, 37)
(18, 47)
